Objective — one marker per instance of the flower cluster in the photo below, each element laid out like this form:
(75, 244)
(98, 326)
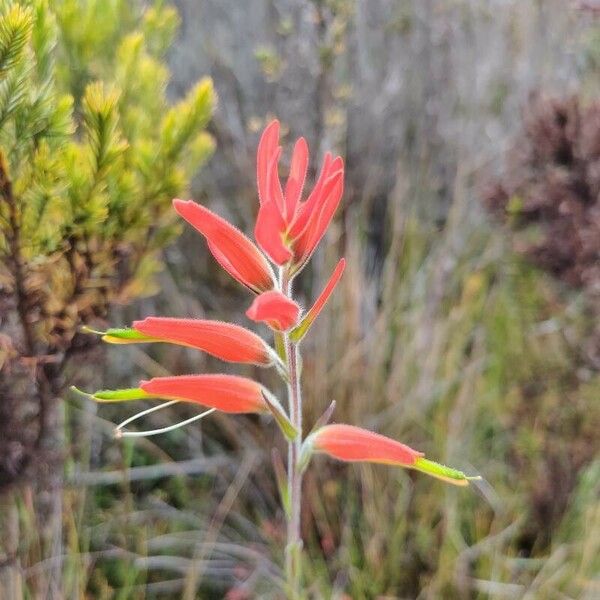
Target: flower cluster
(287, 231)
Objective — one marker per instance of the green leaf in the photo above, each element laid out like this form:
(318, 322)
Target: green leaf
(282, 483)
(288, 430)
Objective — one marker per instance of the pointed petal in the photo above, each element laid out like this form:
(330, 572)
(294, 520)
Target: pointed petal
(224, 340)
(330, 167)
(267, 146)
(302, 328)
(295, 182)
(354, 444)
(227, 393)
(230, 247)
(274, 193)
(276, 310)
(319, 221)
(269, 231)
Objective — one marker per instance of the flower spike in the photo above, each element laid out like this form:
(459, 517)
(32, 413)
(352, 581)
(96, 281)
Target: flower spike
(287, 229)
(230, 247)
(276, 310)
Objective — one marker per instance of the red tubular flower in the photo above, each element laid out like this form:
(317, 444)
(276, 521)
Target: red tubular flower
(224, 340)
(353, 444)
(230, 247)
(288, 229)
(276, 310)
(227, 393)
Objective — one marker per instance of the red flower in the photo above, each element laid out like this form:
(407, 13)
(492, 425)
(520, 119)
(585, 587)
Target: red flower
(349, 443)
(276, 310)
(230, 247)
(288, 229)
(353, 444)
(227, 393)
(224, 340)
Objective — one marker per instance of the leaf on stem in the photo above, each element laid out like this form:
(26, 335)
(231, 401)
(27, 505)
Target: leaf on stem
(288, 430)
(282, 483)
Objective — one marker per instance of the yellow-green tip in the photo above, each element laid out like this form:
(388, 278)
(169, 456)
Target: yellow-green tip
(447, 474)
(124, 335)
(113, 395)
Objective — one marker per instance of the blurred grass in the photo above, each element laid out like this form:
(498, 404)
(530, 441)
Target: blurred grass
(467, 357)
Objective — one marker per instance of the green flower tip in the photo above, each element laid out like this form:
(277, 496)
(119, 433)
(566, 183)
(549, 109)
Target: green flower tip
(447, 474)
(124, 335)
(113, 395)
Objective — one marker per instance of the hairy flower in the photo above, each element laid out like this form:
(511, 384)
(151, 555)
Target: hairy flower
(227, 393)
(354, 444)
(226, 341)
(276, 310)
(230, 247)
(349, 443)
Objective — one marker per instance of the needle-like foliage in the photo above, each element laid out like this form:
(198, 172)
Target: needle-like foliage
(91, 153)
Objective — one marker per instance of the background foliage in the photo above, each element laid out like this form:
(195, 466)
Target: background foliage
(91, 153)
(442, 332)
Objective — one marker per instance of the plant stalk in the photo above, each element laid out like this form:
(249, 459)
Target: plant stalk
(294, 539)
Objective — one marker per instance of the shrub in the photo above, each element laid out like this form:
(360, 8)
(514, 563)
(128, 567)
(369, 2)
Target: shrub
(91, 153)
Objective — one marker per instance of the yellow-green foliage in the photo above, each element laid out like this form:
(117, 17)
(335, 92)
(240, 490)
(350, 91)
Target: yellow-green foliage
(92, 150)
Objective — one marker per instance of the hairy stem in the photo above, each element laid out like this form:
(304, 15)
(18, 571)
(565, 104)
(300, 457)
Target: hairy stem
(294, 539)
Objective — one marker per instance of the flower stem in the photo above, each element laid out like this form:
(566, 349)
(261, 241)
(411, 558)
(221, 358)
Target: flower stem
(294, 539)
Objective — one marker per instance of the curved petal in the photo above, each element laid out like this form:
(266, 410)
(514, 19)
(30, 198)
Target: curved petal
(295, 181)
(227, 393)
(230, 247)
(319, 221)
(224, 340)
(276, 310)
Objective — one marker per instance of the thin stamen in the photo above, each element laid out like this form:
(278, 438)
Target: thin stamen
(143, 414)
(151, 432)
